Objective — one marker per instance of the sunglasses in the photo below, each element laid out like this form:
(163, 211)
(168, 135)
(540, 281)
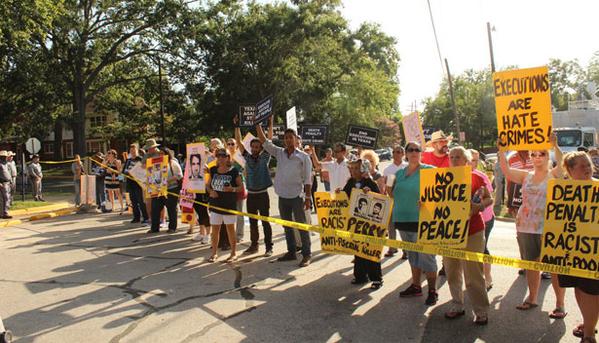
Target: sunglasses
(538, 154)
(413, 150)
(230, 144)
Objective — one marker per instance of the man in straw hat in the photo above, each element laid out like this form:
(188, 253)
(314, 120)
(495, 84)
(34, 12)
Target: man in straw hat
(4, 185)
(439, 157)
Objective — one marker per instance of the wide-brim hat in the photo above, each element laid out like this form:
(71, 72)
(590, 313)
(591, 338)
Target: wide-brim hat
(10, 153)
(3, 153)
(151, 143)
(439, 136)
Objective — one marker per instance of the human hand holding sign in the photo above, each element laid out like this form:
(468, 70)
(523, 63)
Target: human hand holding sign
(553, 139)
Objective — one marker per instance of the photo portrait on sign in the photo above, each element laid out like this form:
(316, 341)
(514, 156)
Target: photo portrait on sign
(157, 176)
(195, 168)
(377, 210)
(361, 208)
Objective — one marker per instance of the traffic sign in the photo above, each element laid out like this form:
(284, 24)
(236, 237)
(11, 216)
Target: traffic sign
(33, 145)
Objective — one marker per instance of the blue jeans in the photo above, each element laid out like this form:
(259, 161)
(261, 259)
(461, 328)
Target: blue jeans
(289, 209)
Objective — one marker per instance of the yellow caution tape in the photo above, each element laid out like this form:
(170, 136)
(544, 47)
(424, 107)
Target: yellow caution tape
(62, 162)
(408, 246)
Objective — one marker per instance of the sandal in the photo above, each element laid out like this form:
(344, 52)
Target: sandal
(526, 305)
(231, 259)
(579, 331)
(376, 284)
(558, 313)
(212, 258)
(453, 314)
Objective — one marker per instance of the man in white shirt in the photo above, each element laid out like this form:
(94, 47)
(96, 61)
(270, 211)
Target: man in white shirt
(293, 185)
(338, 168)
(389, 174)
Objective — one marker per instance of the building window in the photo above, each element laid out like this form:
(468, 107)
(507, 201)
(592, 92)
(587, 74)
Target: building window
(97, 121)
(48, 148)
(95, 146)
(68, 149)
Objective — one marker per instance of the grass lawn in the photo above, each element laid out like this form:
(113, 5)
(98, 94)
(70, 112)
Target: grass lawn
(19, 205)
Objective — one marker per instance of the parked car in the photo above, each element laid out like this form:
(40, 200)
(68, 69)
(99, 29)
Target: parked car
(384, 154)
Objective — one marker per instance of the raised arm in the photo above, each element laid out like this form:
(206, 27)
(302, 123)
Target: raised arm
(270, 129)
(238, 140)
(315, 162)
(260, 133)
(512, 174)
(557, 171)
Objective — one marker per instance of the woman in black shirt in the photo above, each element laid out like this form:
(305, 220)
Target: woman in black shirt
(223, 186)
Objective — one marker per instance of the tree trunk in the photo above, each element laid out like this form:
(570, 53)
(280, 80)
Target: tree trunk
(58, 126)
(79, 146)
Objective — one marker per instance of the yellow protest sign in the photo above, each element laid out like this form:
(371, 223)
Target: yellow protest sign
(369, 215)
(332, 211)
(445, 206)
(523, 106)
(157, 176)
(571, 231)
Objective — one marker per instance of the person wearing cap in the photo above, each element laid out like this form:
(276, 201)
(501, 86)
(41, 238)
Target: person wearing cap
(4, 185)
(439, 156)
(34, 170)
(175, 175)
(140, 214)
(12, 167)
(293, 185)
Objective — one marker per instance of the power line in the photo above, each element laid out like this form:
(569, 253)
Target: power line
(435, 33)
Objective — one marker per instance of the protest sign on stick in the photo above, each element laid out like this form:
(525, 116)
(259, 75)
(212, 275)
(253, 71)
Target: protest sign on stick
(156, 176)
(247, 113)
(412, 128)
(444, 215)
(365, 137)
(263, 110)
(291, 119)
(314, 134)
(195, 168)
(523, 106)
(570, 234)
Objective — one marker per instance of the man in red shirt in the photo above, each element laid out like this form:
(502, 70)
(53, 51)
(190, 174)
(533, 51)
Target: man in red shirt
(439, 157)
(520, 160)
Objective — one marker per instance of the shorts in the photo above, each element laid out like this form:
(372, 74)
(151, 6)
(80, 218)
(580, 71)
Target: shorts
(218, 219)
(426, 262)
(588, 286)
(529, 245)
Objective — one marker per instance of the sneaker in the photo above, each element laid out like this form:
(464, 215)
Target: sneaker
(305, 261)
(287, 257)
(251, 250)
(268, 253)
(163, 225)
(145, 222)
(412, 291)
(6, 336)
(432, 298)
(198, 238)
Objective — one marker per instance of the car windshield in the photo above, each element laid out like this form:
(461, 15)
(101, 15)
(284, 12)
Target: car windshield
(571, 138)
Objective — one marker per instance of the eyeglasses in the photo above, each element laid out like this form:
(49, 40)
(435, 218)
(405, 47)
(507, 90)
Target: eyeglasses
(230, 144)
(538, 154)
(413, 150)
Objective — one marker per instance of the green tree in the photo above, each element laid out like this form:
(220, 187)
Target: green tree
(567, 81)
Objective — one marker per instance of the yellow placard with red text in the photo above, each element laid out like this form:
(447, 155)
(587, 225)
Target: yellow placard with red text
(157, 177)
(523, 107)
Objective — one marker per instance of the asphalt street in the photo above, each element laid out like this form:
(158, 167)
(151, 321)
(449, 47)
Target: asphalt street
(98, 278)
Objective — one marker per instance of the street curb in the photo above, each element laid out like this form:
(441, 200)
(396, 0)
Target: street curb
(11, 223)
(59, 213)
(33, 210)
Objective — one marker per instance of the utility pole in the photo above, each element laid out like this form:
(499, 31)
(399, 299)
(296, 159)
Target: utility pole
(455, 111)
(491, 47)
(161, 102)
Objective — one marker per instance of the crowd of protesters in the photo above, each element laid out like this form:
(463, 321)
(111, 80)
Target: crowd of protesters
(231, 185)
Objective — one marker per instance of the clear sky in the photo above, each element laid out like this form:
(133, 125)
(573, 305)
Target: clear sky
(527, 33)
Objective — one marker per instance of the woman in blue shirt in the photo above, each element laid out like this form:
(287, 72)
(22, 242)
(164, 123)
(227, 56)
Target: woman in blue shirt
(406, 194)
